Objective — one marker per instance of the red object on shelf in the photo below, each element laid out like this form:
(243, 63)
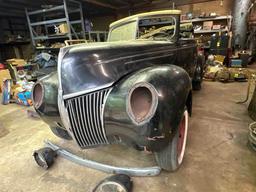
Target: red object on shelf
(2, 66)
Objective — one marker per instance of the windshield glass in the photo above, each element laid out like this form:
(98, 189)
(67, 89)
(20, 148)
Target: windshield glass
(157, 28)
(124, 32)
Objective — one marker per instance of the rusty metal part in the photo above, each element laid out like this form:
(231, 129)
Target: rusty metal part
(38, 95)
(142, 102)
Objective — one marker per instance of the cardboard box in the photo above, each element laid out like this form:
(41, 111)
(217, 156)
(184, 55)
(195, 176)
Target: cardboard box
(220, 58)
(216, 27)
(207, 25)
(63, 28)
(4, 74)
(16, 62)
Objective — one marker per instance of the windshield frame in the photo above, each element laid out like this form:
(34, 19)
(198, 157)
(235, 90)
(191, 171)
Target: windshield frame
(162, 16)
(136, 33)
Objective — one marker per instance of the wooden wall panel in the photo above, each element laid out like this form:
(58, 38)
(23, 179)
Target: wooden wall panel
(208, 7)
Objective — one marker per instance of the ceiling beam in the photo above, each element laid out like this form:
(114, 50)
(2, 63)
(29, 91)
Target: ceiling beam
(10, 6)
(101, 4)
(146, 4)
(12, 13)
(8, 15)
(188, 2)
(23, 3)
(122, 2)
(136, 5)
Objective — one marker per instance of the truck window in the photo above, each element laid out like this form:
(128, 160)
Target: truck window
(157, 27)
(124, 32)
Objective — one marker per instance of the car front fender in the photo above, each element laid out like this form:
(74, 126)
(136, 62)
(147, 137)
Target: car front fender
(173, 87)
(48, 110)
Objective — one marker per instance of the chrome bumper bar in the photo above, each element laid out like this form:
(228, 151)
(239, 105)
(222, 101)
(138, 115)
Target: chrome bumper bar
(137, 172)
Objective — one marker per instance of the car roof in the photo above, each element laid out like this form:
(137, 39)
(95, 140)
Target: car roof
(148, 14)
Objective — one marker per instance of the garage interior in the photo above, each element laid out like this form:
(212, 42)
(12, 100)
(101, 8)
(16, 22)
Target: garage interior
(220, 150)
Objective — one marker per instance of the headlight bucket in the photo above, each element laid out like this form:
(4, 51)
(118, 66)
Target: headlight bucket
(142, 102)
(38, 95)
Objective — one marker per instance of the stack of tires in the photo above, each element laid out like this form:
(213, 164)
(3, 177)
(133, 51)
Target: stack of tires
(252, 135)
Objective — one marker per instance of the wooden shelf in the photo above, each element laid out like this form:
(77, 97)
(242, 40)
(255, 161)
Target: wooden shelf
(209, 31)
(51, 37)
(228, 17)
(48, 48)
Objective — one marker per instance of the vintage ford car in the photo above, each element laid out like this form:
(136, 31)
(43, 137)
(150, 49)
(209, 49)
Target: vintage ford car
(135, 89)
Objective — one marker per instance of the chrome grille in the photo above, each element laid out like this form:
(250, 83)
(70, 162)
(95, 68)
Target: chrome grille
(86, 118)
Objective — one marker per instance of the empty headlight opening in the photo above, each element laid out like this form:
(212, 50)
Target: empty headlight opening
(142, 102)
(37, 95)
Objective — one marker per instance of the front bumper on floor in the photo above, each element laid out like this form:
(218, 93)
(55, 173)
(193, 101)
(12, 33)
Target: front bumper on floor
(131, 171)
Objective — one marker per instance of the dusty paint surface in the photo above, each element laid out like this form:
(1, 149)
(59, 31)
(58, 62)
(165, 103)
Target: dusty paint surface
(217, 157)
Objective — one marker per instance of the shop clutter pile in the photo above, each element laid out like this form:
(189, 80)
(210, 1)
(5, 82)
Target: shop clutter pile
(19, 93)
(15, 82)
(45, 60)
(216, 70)
(17, 77)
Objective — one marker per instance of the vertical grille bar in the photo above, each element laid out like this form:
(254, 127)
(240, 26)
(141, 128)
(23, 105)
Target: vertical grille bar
(80, 131)
(102, 111)
(98, 117)
(74, 122)
(93, 131)
(89, 127)
(86, 117)
(97, 138)
(81, 119)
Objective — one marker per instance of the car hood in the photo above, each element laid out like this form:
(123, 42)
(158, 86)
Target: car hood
(87, 67)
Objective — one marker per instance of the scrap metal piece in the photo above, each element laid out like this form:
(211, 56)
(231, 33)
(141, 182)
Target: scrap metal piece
(251, 80)
(137, 172)
(247, 94)
(44, 157)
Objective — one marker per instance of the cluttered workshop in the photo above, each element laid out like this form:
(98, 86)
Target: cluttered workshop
(128, 95)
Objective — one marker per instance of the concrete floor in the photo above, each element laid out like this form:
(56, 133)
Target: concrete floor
(217, 157)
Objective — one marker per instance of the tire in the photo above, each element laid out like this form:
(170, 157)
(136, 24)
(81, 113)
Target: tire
(196, 85)
(171, 157)
(59, 132)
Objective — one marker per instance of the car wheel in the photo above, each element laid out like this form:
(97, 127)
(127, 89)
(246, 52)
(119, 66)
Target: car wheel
(196, 85)
(61, 133)
(171, 157)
